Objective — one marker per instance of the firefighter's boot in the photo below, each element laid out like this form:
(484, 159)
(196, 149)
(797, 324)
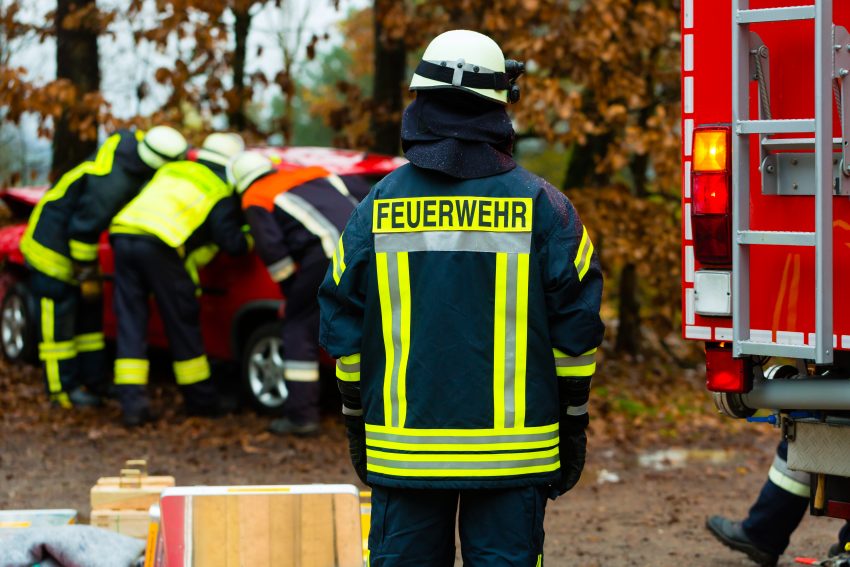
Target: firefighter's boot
(286, 426)
(135, 405)
(81, 398)
(732, 535)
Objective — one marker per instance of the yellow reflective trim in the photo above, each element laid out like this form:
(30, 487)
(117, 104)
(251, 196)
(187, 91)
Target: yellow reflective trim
(421, 214)
(39, 256)
(586, 267)
(463, 472)
(62, 399)
(464, 457)
(51, 366)
(90, 342)
(404, 295)
(350, 359)
(788, 484)
(416, 432)
(578, 371)
(131, 371)
(387, 327)
(341, 256)
(192, 371)
(499, 340)
(561, 354)
(521, 339)
(64, 350)
(83, 251)
(335, 271)
(460, 447)
(584, 239)
(583, 254)
(539, 560)
(347, 376)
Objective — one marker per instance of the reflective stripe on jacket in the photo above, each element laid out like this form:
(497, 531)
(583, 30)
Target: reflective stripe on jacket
(461, 308)
(174, 204)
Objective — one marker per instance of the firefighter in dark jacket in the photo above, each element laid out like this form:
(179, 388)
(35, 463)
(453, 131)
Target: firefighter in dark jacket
(160, 239)
(296, 217)
(462, 307)
(61, 248)
(766, 531)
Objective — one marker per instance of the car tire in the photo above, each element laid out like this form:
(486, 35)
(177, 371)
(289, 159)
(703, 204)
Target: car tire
(262, 370)
(18, 326)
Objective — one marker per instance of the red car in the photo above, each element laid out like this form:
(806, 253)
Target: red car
(240, 304)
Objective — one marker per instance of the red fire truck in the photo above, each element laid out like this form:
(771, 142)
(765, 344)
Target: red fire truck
(766, 221)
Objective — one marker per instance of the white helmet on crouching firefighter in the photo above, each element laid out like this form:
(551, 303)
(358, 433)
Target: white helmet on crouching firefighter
(249, 167)
(471, 62)
(160, 145)
(221, 147)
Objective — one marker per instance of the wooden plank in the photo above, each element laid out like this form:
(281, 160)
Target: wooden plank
(234, 532)
(145, 480)
(209, 518)
(317, 530)
(256, 533)
(116, 498)
(349, 538)
(283, 511)
(133, 523)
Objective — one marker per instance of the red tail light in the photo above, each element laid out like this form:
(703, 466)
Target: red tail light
(712, 205)
(724, 373)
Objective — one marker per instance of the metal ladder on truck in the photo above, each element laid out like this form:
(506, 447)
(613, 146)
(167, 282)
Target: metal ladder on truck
(831, 51)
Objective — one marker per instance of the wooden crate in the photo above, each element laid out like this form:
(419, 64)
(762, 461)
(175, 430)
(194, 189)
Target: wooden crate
(262, 526)
(133, 523)
(131, 490)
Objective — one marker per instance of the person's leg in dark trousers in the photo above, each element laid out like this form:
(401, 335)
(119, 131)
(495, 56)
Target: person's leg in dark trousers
(780, 507)
(91, 346)
(57, 308)
(412, 528)
(131, 312)
(502, 528)
(300, 334)
(180, 310)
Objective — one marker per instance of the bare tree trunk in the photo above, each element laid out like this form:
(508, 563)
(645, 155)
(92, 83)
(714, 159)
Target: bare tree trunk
(77, 61)
(236, 114)
(628, 333)
(390, 70)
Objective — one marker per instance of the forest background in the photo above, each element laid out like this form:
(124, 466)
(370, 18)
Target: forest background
(599, 118)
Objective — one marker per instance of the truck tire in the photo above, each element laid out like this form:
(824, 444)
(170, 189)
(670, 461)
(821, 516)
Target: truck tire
(18, 326)
(262, 370)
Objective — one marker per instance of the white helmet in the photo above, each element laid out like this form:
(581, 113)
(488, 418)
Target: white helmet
(248, 167)
(221, 147)
(469, 61)
(160, 145)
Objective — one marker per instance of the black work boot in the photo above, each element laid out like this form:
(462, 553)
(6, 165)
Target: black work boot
(285, 426)
(732, 535)
(135, 406)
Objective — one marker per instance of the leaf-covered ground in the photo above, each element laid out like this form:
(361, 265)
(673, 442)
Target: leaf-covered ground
(622, 513)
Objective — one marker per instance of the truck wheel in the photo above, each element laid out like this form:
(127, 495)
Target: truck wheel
(18, 327)
(262, 370)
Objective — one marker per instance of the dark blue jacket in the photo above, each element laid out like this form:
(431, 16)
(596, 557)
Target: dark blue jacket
(458, 306)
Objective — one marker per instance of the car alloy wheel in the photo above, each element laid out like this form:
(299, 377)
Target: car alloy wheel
(13, 326)
(265, 372)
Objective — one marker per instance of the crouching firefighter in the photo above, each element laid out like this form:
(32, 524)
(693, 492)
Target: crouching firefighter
(61, 248)
(160, 239)
(296, 217)
(463, 309)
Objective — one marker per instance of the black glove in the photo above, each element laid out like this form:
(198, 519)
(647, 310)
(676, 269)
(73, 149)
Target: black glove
(355, 429)
(88, 274)
(573, 448)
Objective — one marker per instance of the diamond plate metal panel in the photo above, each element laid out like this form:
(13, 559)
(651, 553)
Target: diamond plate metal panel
(820, 448)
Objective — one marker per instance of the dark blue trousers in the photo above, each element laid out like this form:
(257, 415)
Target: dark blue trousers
(780, 507)
(416, 528)
(71, 343)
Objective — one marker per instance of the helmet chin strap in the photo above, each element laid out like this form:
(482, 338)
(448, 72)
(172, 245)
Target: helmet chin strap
(459, 73)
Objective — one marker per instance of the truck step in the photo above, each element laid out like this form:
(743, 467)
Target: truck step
(786, 14)
(795, 144)
(794, 126)
(774, 349)
(776, 238)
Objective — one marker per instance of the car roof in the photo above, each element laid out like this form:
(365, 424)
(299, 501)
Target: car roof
(341, 162)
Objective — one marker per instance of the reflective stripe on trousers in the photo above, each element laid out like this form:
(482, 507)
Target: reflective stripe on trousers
(131, 371)
(795, 482)
(192, 371)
